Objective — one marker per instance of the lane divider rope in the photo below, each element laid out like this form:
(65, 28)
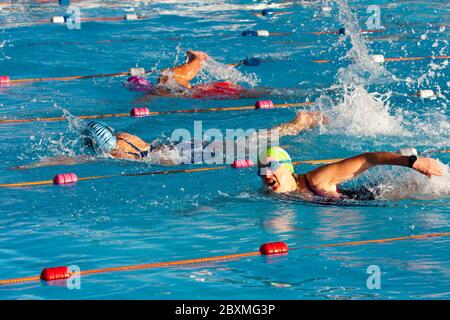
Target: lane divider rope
(145, 112)
(381, 59)
(61, 20)
(5, 80)
(141, 72)
(71, 178)
(273, 248)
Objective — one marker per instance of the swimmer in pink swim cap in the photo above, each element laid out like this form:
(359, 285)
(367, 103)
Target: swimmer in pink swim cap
(186, 72)
(175, 81)
(173, 77)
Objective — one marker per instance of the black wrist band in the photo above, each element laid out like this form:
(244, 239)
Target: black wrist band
(411, 161)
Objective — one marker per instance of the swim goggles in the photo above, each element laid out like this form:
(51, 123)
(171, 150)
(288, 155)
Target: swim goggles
(272, 165)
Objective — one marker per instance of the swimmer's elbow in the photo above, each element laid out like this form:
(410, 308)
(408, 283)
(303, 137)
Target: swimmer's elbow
(24, 167)
(370, 158)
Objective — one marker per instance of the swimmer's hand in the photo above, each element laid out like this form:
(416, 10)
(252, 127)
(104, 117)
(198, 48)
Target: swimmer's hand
(428, 166)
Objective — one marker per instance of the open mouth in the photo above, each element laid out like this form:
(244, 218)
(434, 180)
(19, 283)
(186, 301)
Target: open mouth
(271, 182)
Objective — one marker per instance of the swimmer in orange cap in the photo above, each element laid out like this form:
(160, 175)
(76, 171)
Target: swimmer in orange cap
(176, 82)
(186, 72)
(104, 141)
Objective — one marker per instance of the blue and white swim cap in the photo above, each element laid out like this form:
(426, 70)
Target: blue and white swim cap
(99, 136)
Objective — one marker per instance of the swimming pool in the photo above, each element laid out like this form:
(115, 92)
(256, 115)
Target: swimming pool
(140, 219)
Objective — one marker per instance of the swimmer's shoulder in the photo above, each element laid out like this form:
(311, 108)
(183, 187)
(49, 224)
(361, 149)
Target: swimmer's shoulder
(125, 135)
(130, 138)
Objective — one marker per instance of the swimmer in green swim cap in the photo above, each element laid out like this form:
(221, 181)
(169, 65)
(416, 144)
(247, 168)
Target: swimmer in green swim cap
(277, 172)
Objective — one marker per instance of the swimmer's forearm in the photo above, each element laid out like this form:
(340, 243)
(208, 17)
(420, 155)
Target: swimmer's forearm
(302, 121)
(385, 158)
(285, 129)
(328, 176)
(57, 161)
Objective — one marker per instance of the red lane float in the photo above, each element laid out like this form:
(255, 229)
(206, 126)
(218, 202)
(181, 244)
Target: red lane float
(65, 178)
(56, 273)
(264, 104)
(238, 164)
(4, 79)
(63, 272)
(273, 248)
(140, 112)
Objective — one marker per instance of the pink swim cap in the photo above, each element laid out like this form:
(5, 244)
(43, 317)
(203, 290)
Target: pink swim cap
(136, 83)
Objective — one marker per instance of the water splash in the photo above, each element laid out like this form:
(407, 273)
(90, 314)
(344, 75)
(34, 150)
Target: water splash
(362, 69)
(400, 183)
(364, 114)
(360, 113)
(66, 143)
(214, 70)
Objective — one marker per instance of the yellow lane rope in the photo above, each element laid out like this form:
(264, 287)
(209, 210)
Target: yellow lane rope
(50, 182)
(392, 59)
(156, 113)
(222, 258)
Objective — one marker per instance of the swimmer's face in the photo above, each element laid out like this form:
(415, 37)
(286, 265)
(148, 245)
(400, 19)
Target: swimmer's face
(191, 55)
(278, 180)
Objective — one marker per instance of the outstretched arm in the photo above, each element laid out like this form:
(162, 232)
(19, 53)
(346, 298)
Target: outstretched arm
(302, 121)
(56, 161)
(186, 72)
(326, 177)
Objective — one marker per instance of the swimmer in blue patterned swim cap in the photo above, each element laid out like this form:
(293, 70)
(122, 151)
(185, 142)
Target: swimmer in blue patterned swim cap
(104, 141)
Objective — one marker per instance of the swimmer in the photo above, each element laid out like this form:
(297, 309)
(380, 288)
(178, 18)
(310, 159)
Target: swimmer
(105, 142)
(277, 172)
(101, 139)
(176, 82)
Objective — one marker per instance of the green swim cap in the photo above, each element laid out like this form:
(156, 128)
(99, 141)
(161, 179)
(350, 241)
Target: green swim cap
(278, 154)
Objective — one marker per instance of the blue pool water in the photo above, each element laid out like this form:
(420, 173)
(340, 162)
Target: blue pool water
(134, 220)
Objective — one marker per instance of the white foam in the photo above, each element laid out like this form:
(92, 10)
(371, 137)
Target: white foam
(359, 112)
(378, 58)
(362, 69)
(364, 114)
(219, 71)
(413, 185)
